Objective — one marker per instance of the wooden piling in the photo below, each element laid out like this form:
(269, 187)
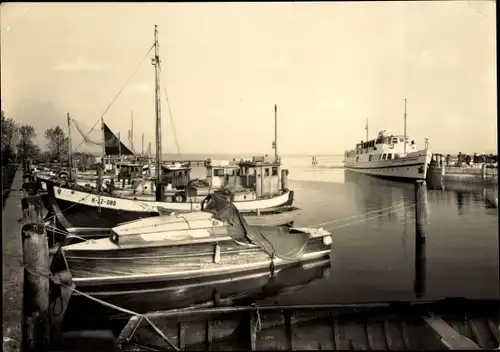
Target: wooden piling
(36, 323)
(34, 208)
(420, 258)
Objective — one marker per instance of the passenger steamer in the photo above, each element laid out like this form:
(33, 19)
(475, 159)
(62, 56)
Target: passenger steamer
(389, 156)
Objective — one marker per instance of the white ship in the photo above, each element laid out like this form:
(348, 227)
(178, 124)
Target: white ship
(389, 156)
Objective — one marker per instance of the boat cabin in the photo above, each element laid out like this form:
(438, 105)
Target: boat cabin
(178, 175)
(221, 172)
(384, 147)
(259, 174)
(128, 171)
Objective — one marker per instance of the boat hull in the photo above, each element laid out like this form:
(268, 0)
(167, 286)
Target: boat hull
(82, 210)
(114, 272)
(234, 289)
(412, 167)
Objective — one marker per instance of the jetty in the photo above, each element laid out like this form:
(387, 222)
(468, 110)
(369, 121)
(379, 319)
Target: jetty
(442, 170)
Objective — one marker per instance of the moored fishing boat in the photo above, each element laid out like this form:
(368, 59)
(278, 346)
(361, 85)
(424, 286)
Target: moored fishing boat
(148, 254)
(82, 209)
(264, 193)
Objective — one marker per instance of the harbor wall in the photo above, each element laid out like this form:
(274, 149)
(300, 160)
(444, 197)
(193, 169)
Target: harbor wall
(464, 174)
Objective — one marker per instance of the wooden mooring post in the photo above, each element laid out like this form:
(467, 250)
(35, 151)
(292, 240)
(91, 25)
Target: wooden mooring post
(34, 207)
(419, 286)
(35, 321)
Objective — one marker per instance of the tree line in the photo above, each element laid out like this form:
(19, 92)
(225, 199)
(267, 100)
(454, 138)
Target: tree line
(18, 142)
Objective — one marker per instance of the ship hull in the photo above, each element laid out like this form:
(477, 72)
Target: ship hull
(412, 167)
(83, 210)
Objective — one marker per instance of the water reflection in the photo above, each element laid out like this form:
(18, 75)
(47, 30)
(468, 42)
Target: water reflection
(388, 197)
(466, 196)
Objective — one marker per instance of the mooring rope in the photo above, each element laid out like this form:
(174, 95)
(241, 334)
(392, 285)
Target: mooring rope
(370, 218)
(57, 281)
(359, 215)
(67, 208)
(64, 233)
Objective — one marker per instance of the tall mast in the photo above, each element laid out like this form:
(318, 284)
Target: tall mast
(103, 140)
(366, 128)
(276, 156)
(132, 131)
(405, 129)
(70, 151)
(119, 146)
(156, 63)
(142, 144)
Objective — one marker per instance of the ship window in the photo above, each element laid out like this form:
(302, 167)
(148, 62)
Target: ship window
(219, 172)
(395, 140)
(266, 171)
(383, 156)
(401, 139)
(275, 171)
(396, 156)
(370, 158)
(389, 156)
(379, 141)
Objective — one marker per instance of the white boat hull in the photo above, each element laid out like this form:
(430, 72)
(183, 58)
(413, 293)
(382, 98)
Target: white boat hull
(412, 167)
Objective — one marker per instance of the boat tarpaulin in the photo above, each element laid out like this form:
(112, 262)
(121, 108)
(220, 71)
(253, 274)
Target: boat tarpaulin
(276, 241)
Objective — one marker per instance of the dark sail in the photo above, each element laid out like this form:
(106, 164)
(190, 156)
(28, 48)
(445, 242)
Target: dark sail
(112, 147)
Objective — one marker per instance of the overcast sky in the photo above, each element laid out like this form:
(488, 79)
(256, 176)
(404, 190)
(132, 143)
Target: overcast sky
(328, 66)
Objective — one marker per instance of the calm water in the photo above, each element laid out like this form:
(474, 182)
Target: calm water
(373, 260)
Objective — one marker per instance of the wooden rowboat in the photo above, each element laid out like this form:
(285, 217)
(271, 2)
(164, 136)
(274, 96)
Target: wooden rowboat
(448, 324)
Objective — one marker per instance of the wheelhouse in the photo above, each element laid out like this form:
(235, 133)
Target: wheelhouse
(177, 175)
(259, 174)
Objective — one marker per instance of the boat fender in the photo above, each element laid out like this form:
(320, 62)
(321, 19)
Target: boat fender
(271, 266)
(216, 298)
(327, 240)
(217, 254)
